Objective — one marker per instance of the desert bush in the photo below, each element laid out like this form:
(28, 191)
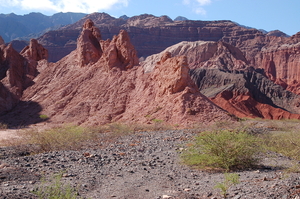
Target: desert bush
(230, 179)
(223, 149)
(285, 143)
(44, 117)
(56, 189)
(59, 138)
(3, 126)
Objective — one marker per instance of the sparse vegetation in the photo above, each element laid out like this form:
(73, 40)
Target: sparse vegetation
(60, 138)
(285, 143)
(230, 179)
(44, 117)
(223, 149)
(3, 126)
(56, 189)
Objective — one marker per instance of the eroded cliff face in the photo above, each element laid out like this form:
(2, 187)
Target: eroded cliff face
(115, 88)
(281, 65)
(247, 94)
(223, 75)
(17, 72)
(149, 34)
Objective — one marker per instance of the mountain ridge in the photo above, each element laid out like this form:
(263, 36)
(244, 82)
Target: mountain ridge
(14, 26)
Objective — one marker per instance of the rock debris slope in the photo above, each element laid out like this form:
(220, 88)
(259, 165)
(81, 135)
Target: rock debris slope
(101, 82)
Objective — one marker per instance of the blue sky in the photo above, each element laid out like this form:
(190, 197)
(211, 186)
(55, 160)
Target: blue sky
(269, 15)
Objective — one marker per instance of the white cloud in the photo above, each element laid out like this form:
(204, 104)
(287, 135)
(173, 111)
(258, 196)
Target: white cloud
(197, 5)
(200, 11)
(186, 2)
(204, 2)
(85, 6)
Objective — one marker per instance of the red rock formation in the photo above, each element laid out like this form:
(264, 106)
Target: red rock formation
(33, 53)
(103, 92)
(88, 46)
(119, 52)
(17, 72)
(244, 106)
(281, 64)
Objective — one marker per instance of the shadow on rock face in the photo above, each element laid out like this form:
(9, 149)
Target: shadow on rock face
(24, 114)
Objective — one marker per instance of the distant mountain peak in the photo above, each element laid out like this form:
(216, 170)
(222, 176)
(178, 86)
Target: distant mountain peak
(181, 18)
(125, 17)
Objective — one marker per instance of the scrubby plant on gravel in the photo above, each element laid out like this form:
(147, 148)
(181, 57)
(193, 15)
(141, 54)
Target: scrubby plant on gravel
(3, 126)
(44, 117)
(59, 138)
(285, 143)
(56, 189)
(223, 149)
(230, 179)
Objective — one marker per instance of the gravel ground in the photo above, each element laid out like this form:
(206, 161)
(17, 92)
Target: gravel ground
(143, 165)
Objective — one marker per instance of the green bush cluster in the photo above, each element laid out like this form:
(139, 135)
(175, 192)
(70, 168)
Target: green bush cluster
(223, 149)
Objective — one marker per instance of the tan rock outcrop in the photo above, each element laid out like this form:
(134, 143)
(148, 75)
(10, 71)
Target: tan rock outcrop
(172, 74)
(203, 54)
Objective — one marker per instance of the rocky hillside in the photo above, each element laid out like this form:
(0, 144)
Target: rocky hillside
(101, 82)
(243, 71)
(32, 25)
(247, 94)
(223, 74)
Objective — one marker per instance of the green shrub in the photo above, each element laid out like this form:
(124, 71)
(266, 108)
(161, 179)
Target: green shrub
(44, 117)
(56, 189)
(223, 149)
(230, 179)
